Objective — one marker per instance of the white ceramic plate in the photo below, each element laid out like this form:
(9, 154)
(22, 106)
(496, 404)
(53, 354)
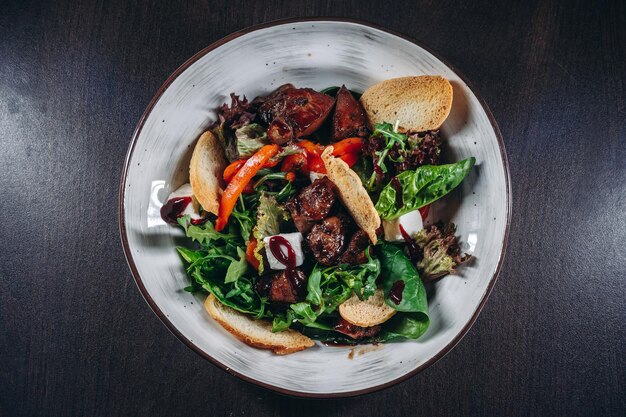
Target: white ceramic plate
(317, 54)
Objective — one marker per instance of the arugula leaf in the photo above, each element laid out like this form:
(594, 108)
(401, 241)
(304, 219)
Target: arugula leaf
(269, 176)
(421, 187)
(190, 256)
(368, 276)
(314, 294)
(286, 193)
(245, 218)
(239, 295)
(203, 234)
(386, 131)
(331, 286)
(304, 312)
(282, 322)
(237, 269)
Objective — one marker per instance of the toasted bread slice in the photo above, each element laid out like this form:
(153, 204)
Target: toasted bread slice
(419, 103)
(256, 333)
(205, 172)
(352, 194)
(366, 313)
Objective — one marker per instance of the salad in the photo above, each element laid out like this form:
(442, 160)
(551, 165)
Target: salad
(308, 213)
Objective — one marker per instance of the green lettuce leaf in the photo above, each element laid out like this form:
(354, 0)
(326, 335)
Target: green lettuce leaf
(421, 187)
(269, 219)
(441, 252)
(250, 138)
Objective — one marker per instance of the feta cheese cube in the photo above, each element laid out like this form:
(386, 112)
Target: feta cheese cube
(295, 240)
(192, 209)
(411, 222)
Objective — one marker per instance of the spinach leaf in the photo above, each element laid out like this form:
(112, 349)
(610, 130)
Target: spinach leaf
(421, 187)
(328, 336)
(404, 326)
(396, 266)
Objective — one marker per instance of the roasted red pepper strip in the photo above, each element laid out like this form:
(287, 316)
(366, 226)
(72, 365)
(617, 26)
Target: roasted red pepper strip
(295, 163)
(232, 169)
(239, 182)
(348, 150)
(250, 254)
(313, 152)
(347, 146)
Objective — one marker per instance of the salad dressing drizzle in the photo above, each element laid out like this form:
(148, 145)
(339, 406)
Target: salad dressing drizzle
(276, 243)
(174, 208)
(414, 251)
(395, 294)
(398, 187)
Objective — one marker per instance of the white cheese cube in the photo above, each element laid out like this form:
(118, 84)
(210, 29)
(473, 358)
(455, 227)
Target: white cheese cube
(411, 223)
(193, 209)
(295, 240)
(182, 191)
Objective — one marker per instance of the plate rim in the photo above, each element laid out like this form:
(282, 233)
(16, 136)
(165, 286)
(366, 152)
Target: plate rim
(159, 313)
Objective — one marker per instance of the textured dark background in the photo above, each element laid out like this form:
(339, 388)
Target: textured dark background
(77, 337)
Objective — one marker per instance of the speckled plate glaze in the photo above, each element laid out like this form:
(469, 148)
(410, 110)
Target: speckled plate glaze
(317, 54)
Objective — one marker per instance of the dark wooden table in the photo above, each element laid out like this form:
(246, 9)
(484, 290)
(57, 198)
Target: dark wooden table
(77, 337)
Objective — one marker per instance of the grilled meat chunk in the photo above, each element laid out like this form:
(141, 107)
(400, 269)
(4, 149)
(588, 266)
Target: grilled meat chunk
(327, 240)
(356, 332)
(286, 287)
(293, 112)
(312, 204)
(349, 118)
(355, 252)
